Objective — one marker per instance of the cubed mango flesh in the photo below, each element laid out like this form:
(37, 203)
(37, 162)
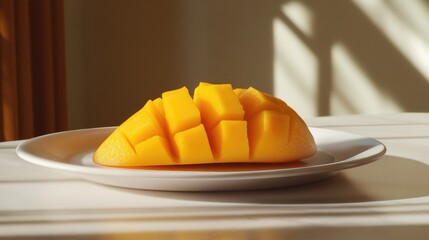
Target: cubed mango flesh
(155, 151)
(192, 146)
(160, 108)
(180, 111)
(238, 91)
(268, 136)
(217, 102)
(229, 141)
(142, 125)
(259, 110)
(218, 125)
(254, 101)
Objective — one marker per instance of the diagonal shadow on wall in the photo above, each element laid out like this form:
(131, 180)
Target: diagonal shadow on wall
(373, 52)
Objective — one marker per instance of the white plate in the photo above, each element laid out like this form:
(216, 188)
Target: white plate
(72, 151)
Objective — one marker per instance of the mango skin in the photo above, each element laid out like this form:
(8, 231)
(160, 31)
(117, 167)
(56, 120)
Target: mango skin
(142, 125)
(218, 124)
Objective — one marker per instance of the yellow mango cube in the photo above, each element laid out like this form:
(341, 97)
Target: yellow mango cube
(197, 89)
(192, 146)
(254, 101)
(229, 141)
(142, 125)
(268, 136)
(217, 102)
(155, 151)
(239, 91)
(160, 108)
(181, 113)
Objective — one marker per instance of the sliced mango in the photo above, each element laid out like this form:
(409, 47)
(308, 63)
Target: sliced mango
(268, 136)
(229, 141)
(160, 108)
(155, 151)
(218, 125)
(117, 151)
(238, 91)
(180, 111)
(254, 101)
(197, 89)
(263, 124)
(192, 146)
(217, 102)
(142, 125)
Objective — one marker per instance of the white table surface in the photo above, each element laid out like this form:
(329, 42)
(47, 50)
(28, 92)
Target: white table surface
(387, 199)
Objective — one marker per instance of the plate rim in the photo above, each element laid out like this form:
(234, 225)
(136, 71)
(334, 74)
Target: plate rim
(172, 174)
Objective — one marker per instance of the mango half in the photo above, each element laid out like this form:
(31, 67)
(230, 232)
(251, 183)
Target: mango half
(218, 124)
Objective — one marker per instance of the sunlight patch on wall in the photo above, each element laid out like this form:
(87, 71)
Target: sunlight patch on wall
(353, 91)
(301, 16)
(402, 28)
(295, 66)
(415, 14)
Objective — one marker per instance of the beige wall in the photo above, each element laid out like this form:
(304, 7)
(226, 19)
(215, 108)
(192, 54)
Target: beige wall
(335, 57)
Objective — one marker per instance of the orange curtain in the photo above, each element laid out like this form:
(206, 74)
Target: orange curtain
(32, 80)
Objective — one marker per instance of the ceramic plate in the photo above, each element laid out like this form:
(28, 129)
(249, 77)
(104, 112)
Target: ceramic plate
(72, 151)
